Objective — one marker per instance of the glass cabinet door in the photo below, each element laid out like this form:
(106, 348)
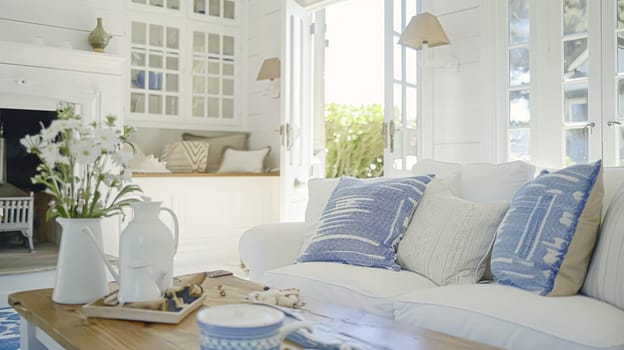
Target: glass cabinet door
(154, 69)
(225, 9)
(213, 75)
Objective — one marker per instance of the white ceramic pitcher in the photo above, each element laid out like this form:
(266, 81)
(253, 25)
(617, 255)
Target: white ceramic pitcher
(146, 250)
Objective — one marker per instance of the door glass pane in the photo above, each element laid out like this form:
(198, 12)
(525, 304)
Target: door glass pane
(215, 8)
(398, 104)
(620, 14)
(172, 63)
(213, 85)
(575, 58)
(620, 50)
(155, 81)
(157, 3)
(213, 107)
(575, 103)
(156, 35)
(198, 85)
(198, 66)
(171, 105)
(173, 38)
(199, 6)
(228, 9)
(519, 66)
(577, 146)
(228, 69)
(173, 4)
(213, 67)
(228, 45)
(137, 103)
(198, 106)
(155, 104)
(138, 59)
(620, 102)
(411, 107)
(519, 142)
(228, 87)
(519, 109)
(518, 22)
(397, 64)
(137, 79)
(172, 82)
(155, 60)
(396, 17)
(411, 150)
(574, 16)
(411, 67)
(214, 43)
(228, 108)
(199, 42)
(138, 33)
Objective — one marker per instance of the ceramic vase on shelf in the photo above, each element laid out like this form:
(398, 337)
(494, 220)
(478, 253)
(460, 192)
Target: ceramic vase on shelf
(98, 39)
(80, 272)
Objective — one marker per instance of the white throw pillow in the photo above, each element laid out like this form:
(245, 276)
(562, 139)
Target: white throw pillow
(483, 182)
(237, 161)
(605, 278)
(449, 238)
(450, 172)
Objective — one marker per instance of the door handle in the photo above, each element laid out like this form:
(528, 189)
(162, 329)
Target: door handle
(391, 132)
(384, 133)
(589, 127)
(613, 122)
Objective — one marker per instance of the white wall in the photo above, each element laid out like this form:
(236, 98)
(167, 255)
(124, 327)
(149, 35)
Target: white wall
(61, 21)
(462, 101)
(264, 41)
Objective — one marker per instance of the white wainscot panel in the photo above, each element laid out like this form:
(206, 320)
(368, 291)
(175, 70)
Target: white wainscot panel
(213, 211)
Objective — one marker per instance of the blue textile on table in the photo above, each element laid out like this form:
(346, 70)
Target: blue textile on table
(9, 329)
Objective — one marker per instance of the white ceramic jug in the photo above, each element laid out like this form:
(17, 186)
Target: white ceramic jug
(148, 244)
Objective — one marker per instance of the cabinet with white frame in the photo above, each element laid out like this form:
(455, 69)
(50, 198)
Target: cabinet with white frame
(186, 64)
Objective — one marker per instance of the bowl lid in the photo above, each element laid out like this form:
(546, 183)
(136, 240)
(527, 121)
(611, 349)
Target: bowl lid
(240, 316)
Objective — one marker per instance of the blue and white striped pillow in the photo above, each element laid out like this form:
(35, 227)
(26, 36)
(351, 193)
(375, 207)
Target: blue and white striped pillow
(545, 240)
(363, 221)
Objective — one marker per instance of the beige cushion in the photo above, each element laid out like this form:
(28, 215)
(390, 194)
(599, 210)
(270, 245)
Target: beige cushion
(449, 238)
(186, 156)
(605, 278)
(217, 146)
(237, 161)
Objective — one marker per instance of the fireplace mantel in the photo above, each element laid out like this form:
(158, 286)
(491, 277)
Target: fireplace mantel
(22, 54)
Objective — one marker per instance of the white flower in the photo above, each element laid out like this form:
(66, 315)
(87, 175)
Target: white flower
(31, 142)
(122, 157)
(107, 138)
(50, 155)
(85, 151)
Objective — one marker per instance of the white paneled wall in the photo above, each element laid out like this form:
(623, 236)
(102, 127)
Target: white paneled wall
(461, 105)
(61, 22)
(264, 41)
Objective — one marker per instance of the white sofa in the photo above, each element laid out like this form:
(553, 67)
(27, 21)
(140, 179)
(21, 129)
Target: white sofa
(498, 315)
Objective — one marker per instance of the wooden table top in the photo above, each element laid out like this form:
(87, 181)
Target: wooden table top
(68, 326)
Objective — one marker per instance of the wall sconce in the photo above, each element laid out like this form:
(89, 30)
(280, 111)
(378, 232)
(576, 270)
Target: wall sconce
(425, 31)
(271, 70)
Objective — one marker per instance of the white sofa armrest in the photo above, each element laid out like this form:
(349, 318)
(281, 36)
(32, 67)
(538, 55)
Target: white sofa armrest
(267, 247)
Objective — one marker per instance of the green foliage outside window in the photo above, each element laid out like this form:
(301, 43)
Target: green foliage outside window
(353, 140)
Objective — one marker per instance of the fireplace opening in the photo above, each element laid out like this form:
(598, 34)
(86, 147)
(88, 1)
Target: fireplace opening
(21, 167)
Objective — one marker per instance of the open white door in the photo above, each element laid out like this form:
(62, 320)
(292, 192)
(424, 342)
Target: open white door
(404, 140)
(296, 129)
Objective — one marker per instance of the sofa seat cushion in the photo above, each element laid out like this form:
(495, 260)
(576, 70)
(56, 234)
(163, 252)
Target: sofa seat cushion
(364, 288)
(512, 318)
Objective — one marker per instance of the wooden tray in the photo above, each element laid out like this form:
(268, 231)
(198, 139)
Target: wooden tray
(98, 309)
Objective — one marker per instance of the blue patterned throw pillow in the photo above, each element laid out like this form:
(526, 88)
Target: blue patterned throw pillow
(545, 240)
(363, 221)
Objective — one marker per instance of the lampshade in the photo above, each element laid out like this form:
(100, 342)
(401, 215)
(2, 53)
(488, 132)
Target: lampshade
(270, 69)
(423, 28)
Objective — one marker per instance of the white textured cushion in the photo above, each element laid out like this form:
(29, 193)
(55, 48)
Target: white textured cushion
(365, 288)
(240, 161)
(605, 278)
(511, 318)
(218, 145)
(449, 172)
(449, 237)
(482, 182)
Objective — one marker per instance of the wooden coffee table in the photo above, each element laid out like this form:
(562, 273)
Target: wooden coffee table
(46, 324)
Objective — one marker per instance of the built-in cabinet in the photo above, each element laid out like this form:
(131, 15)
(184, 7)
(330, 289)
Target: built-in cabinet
(185, 64)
